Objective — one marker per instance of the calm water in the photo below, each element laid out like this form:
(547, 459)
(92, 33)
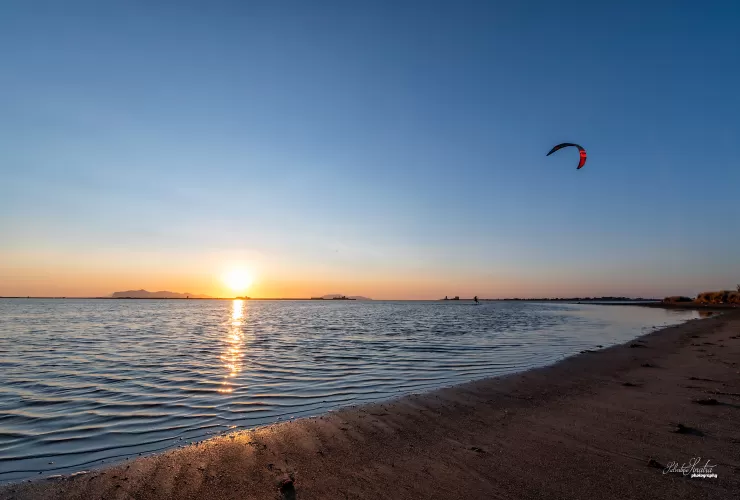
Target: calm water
(87, 382)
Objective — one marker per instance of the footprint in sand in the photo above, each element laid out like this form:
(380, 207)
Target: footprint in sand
(684, 429)
(286, 487)
(707, 401)
(703, 379)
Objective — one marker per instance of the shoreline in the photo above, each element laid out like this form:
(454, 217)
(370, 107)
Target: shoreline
(686, 306)
(585, 427)
(657, 304)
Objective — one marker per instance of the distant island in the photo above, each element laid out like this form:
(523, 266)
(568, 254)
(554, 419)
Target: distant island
(336, 296)
(143, 294)
(164, 294)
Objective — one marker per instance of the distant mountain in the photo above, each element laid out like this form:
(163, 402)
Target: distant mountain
(143, 294)
(339, 296)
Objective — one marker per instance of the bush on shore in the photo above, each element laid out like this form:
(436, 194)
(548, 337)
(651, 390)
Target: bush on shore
(677, 298)
(720, 297)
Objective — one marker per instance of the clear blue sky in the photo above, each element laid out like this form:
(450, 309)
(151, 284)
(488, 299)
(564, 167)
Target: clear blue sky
(393, 149)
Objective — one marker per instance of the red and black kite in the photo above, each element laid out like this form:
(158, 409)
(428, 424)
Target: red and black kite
(582, 162)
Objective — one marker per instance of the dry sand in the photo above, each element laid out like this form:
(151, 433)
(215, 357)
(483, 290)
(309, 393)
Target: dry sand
(584, 428)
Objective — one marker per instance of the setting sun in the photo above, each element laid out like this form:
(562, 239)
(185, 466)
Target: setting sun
(238, 280)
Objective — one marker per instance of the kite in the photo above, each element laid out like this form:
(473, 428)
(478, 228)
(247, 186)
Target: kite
(582, 162)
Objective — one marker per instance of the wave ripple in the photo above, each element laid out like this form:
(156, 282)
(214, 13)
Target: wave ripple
(87, 382)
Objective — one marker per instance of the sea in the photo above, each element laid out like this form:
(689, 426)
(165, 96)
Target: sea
(85, 382)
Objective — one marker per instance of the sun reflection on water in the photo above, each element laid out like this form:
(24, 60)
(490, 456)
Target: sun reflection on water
(233, 355)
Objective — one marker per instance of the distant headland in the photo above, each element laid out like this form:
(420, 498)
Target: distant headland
(143, 294)
(336, 296)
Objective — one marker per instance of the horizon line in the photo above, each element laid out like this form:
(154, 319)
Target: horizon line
(66, 297)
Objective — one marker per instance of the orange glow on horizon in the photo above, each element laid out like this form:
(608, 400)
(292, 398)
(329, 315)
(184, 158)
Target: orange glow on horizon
(43, 273)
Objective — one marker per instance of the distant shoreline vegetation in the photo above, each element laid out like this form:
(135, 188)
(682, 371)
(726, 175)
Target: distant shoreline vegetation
(727, 297)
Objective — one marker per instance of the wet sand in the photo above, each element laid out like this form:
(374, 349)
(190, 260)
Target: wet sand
(599, 425)
(697, 306)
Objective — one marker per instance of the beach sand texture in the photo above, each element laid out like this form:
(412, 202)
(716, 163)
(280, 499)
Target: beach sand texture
(599, 425)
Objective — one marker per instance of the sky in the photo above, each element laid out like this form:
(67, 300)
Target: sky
(386, 149)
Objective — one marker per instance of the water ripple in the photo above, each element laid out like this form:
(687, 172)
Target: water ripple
(86, 382)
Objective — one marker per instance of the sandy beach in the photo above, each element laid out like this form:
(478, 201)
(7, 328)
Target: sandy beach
(603, 424)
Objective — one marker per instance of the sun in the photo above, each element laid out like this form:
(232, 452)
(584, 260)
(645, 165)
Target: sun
(238, 280)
